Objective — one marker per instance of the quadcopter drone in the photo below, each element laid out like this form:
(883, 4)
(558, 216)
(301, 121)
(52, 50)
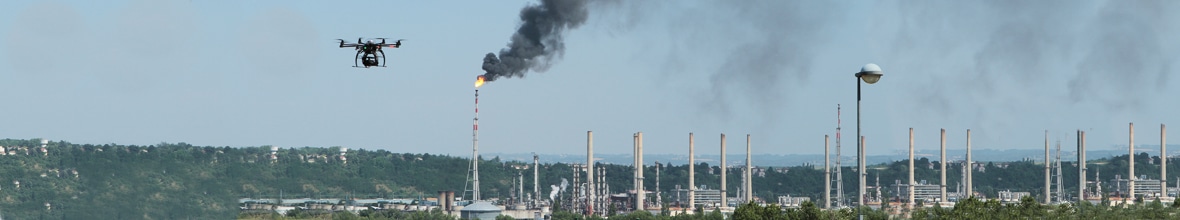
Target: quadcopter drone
(367, 53)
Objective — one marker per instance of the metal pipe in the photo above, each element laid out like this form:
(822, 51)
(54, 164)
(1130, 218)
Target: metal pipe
(860, 154)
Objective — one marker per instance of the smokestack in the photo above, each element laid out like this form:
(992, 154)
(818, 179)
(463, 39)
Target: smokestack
(640, 194)
(692, 187)
(749, 173)
(475, 151)
(450, 201)
(1081, 165)
(442, 198)
(1163, 161)
(538, 38)
(839, 166)
(1131, 161)
(827, 176)
(724, 203)
(969, 167)
(911, 183)
(942, 165)
(589, 171)
(536, 181)
(635, 165)
(1047, 184)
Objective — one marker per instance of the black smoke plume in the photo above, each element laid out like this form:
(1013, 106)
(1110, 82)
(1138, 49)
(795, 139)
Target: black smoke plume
(538, 39)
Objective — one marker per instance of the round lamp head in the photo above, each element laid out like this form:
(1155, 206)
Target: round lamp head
(870, 73)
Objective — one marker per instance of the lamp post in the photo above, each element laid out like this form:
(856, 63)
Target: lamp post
(870, 73)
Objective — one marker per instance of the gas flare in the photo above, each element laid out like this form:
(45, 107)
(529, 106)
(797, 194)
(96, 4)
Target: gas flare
(479, 81)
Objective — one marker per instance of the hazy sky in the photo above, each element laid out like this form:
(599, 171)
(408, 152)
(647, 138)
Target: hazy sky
(250, 73)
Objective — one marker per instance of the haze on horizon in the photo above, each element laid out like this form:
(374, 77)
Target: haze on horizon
(252, 73)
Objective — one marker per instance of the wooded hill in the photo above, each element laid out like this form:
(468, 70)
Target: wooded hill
(179, 181)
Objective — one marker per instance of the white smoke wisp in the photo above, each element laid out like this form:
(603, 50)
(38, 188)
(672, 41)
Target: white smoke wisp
(553, 194)
(564, 184)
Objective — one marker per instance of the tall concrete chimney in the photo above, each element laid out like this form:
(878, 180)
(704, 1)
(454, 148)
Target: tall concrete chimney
(1163, 160)
(640, 194)
(827, 177)
(1131, 161)
(724, 202)
(589, 171)
(1047, 178)
(911, 183)
(969, 192)
(635, 166)
(692, 187)
(942, 166)
(442, 198)
(749, 173)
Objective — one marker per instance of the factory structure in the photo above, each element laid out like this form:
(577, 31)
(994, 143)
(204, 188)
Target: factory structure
(590, 194)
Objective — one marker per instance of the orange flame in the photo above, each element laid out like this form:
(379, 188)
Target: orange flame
(479, 81)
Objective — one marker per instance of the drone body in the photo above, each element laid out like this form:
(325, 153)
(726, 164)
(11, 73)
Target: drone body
(368, 53)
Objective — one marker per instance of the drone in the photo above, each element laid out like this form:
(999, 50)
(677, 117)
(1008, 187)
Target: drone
(367, 53)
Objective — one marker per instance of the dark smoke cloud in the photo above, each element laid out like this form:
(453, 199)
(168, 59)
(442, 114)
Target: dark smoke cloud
(753, 54)
(538, 40)
(998, 62)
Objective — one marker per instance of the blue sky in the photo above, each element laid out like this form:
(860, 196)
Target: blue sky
(251, 73)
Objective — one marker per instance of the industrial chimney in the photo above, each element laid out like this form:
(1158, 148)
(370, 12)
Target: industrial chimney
(1163, 160)
(589, 170)
(942, 165)
(1131, 161)
(536, 183)
(639, 193)
(1081, 165)
(911, 183)
(827, 176)
(1047, 184)
(692, 187)
(969, 167)
(724, 203)
(749, 173)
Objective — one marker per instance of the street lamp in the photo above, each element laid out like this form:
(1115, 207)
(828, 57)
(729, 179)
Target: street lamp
(870, 73)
